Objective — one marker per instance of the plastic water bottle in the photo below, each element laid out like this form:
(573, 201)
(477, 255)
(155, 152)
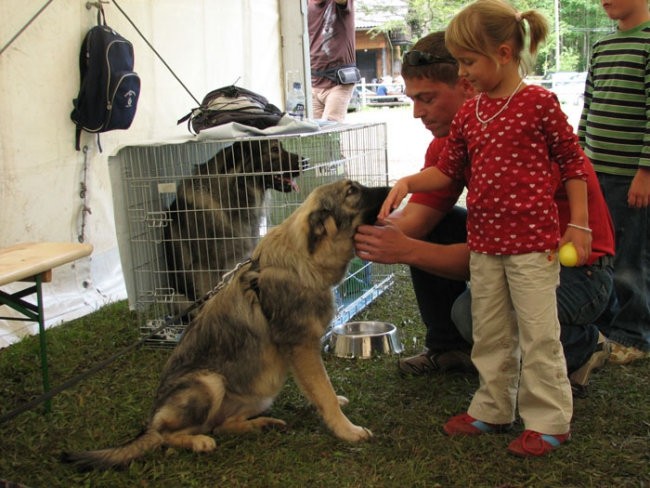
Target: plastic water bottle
(296, 101)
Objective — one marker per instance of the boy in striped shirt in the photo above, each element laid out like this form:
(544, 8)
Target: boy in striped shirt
(614, 131)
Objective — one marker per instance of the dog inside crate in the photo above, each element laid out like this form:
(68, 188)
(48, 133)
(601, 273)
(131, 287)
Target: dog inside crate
(214, 220)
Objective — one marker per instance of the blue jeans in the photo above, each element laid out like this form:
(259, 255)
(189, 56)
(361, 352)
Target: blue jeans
(582, 296)
(435, 295)
(627, 321)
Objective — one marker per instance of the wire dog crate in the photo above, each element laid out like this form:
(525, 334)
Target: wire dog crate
(187, 213)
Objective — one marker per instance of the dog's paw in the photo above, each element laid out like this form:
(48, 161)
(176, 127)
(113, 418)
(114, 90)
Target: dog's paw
(203, 443)
(343, 401)
(356, 434)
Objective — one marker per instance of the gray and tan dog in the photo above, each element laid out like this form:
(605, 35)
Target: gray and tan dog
(215, 218)
(267, 321)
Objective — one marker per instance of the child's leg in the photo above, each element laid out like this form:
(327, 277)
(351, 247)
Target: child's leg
(545, 400)
(629, 323)
(495, 353)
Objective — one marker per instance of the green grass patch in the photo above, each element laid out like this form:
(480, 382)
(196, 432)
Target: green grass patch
(611, 428)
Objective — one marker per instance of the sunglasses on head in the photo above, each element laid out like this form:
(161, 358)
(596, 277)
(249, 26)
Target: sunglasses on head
(420, 58)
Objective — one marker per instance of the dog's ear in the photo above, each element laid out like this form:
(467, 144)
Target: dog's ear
(321, 223)
(239, 152)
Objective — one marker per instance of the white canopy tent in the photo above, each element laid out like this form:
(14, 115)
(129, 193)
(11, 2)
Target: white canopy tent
(208, 44)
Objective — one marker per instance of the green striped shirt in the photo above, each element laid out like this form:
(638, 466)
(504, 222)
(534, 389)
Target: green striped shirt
(614, 128)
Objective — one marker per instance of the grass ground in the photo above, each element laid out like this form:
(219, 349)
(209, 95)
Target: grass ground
(611, 428)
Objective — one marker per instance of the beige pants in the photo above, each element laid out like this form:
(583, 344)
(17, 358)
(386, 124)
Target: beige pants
(331, 103)
(518, 355)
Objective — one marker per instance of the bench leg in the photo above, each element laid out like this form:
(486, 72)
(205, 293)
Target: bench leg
(32, 313)
(43, 341)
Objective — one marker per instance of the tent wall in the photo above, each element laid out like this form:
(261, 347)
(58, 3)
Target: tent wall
(208, 43)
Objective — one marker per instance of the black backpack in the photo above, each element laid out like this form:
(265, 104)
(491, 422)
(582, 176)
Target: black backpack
(232, 104)
(109, 90)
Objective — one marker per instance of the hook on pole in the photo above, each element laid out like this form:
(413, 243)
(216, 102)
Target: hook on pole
(97, 4)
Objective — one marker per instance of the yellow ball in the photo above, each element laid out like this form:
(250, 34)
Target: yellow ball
(568, 255)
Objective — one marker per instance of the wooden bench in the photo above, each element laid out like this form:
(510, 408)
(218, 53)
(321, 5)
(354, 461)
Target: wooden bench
(33, 262)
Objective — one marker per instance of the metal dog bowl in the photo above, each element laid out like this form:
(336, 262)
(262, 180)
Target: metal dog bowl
(364, 340)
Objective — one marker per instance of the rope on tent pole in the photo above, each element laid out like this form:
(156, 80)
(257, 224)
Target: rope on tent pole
(10, 42)
(156, 53)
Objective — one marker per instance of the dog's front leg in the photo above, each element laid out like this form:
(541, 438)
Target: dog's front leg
(312, 378)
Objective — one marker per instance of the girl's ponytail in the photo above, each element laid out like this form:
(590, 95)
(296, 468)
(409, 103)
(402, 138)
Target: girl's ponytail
(537, 28)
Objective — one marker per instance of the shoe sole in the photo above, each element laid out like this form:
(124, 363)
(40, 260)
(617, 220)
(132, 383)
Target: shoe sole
(580, 377)
(405, 368)
(474, 428)
(627, 357)
(517, 449)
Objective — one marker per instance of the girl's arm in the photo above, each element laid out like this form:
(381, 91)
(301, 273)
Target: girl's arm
(429, 179)
(578, 230)
(565, 151)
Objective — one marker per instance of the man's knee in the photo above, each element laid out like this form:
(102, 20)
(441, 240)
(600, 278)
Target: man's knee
(461, 315)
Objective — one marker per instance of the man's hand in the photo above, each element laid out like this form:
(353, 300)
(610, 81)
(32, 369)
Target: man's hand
(386, 243)
(382, 243)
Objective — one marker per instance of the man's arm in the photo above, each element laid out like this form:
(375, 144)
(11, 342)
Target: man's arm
(416, 220)
(399, 239)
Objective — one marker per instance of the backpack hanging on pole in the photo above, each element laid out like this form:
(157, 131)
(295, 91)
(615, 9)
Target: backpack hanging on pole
(109, 90)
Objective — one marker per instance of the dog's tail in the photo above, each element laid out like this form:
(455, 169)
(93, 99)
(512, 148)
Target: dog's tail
(117, 456)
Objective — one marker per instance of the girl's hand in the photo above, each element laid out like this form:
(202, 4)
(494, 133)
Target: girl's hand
(581, 240)
(394, 198)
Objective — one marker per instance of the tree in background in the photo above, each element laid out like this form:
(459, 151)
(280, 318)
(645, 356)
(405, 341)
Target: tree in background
(581, 23)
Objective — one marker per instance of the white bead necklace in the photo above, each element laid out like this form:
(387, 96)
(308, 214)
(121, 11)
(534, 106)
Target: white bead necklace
(484, 122)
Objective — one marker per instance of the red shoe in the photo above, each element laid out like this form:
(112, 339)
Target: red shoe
(465, 424)
(535, 444)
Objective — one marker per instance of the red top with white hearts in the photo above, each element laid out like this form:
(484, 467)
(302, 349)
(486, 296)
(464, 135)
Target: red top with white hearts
(510, 202)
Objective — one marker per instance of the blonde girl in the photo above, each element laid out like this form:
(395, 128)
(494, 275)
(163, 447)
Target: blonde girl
(514, 145)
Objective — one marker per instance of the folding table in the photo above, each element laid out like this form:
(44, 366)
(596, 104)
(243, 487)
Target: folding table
(33, 262)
